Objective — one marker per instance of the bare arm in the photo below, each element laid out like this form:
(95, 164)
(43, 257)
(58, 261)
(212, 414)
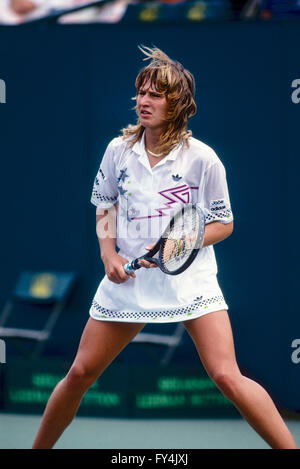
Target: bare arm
(216, 232)
(106, 228)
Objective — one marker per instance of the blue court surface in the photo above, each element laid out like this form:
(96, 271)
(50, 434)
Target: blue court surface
(18, 432)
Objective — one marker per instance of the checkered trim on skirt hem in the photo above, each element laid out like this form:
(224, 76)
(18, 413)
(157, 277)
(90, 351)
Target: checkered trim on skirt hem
(197, 308)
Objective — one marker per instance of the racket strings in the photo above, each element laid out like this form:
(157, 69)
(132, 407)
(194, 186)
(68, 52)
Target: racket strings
(181, 240)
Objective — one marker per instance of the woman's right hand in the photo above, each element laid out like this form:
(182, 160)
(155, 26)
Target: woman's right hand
(114, 268)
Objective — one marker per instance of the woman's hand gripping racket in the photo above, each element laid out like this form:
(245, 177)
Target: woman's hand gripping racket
(179, 244)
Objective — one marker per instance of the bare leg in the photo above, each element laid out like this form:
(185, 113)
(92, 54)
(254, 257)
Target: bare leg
(100, 343)
(212, 336)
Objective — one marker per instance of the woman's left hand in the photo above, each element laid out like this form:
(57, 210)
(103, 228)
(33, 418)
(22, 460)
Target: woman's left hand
(147, 264)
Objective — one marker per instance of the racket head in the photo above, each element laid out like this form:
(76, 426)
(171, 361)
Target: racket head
(182, 239)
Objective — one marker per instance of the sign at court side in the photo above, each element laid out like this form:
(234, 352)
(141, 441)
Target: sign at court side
(2, 92)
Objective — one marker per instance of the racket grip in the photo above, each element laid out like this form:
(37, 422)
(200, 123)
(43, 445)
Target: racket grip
(132, 266)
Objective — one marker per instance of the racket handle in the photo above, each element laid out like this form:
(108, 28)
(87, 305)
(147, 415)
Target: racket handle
(132, 266)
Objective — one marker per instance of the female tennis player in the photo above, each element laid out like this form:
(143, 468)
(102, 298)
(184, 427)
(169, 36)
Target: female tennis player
(146, 174)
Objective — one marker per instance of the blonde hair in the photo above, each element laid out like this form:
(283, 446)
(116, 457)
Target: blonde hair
(177, 84)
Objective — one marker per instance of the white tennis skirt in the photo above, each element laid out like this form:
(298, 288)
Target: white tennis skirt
(154, 297)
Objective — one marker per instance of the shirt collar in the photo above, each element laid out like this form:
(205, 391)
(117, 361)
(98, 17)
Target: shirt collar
(139, 148)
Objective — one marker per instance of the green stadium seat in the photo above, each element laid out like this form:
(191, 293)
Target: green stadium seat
(36, 289)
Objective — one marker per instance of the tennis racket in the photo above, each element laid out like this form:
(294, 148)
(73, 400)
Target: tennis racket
(178, 245)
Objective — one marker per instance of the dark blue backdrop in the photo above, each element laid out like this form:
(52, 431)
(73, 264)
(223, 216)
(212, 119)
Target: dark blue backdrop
(69, 92)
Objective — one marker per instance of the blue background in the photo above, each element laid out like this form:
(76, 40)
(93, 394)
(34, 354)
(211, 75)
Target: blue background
(69, 92)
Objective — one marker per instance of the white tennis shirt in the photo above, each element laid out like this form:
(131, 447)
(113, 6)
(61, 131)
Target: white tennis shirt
(147, 198)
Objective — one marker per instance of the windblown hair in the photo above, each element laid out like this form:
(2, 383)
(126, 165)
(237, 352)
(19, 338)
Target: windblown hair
(177, 84)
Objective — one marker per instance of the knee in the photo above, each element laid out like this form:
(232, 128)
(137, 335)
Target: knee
(81, 377)
(228, 383)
